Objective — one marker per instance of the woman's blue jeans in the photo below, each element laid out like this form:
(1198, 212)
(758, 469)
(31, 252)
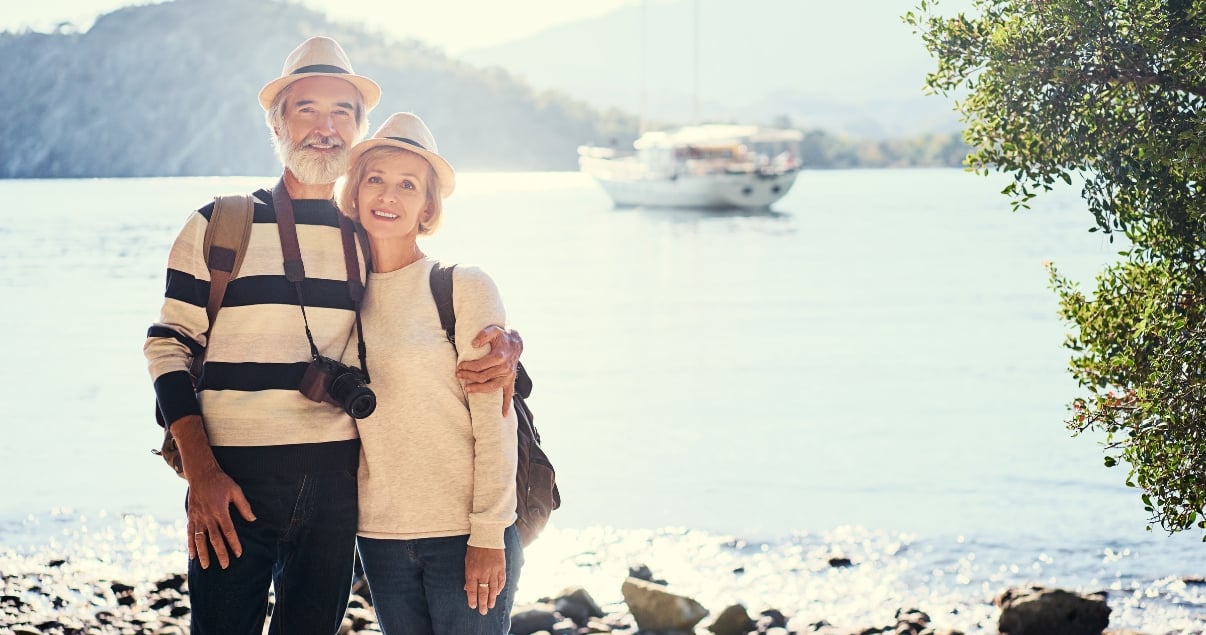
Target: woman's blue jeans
(418, 586)
(302, 543)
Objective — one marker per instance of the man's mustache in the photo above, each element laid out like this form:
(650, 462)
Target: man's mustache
(320, 140)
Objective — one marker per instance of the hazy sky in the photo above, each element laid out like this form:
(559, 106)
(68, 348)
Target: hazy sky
(439, 22)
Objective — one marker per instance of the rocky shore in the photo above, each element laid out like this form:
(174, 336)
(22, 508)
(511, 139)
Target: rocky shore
(56, 599)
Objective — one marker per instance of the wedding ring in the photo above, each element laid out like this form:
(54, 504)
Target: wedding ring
(485, 584)
(198, 533)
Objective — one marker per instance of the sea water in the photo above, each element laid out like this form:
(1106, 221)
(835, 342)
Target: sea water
(873, 369)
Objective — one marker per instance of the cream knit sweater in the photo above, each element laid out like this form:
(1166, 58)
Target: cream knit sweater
(434, 461)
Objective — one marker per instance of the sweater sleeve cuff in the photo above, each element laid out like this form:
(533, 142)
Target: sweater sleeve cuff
(487, 535)
(175, 395)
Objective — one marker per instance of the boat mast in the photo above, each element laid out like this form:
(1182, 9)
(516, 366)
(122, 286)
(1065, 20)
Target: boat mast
(644, 55)
(695, 62)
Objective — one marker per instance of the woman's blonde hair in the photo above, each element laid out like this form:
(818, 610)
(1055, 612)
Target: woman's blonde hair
(351, 187)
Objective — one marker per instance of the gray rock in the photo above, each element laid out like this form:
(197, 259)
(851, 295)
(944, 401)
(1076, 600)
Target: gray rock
(361, 617)
(771, 618)
(733, 620)
(532, 618)
(578, 605)
(1042, 611)
(656, 609)
(174, 582)
(911, 622)
(640, 571)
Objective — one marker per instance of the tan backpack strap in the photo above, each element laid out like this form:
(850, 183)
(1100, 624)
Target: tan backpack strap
(226, 240)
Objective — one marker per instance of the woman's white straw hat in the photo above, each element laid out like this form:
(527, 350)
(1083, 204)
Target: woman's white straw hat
(407, 131)
(320, 57)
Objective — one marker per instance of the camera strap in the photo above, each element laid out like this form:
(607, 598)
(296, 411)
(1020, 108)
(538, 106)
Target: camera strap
(295, 270)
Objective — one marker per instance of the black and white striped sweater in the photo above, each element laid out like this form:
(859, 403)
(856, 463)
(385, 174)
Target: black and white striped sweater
(257, 351)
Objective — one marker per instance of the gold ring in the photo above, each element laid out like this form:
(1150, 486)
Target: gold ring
(485, 584)
(198, 533)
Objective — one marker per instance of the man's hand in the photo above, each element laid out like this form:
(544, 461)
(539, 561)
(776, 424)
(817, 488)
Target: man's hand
(210, 494)
(497, 368)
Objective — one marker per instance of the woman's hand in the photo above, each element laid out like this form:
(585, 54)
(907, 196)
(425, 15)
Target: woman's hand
(497, 368)
(485, 577)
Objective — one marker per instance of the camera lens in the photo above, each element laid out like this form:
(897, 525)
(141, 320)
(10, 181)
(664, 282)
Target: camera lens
(357, 399)
(361, 404)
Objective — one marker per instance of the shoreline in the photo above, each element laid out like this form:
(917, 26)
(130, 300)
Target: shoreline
(851, 577)
(60, 598)
(74, 596)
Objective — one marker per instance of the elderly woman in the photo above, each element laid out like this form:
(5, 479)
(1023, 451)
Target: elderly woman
(437, 470)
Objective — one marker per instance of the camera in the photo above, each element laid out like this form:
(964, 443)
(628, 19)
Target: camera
(339, 384)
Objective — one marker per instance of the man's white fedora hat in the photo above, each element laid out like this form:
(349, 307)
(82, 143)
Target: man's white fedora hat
(320, 57)
(407, 131)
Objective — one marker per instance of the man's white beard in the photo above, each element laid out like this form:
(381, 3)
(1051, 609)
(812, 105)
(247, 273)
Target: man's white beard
(313, 167)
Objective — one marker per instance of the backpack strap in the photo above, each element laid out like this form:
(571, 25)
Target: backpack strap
(441, 292)
(226, 239)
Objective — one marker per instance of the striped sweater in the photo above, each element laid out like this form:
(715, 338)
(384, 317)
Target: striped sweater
(257, 350)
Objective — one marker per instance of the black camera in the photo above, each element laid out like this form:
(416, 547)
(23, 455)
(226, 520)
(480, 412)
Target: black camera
(339, 384)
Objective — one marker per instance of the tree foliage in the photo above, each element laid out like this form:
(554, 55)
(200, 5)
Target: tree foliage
(1108, 93)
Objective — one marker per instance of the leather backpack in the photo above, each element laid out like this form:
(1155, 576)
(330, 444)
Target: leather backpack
(226, 238)
(536, 492)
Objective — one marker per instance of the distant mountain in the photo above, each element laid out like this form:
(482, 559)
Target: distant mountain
(850, 67)
(170, 89)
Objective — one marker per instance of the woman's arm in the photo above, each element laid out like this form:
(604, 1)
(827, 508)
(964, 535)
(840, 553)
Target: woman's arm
(477, 303)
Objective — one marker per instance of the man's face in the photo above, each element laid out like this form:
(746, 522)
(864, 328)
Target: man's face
(320, 126)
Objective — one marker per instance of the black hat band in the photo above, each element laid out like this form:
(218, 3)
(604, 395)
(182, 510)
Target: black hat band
(319, 68)
(410, 141)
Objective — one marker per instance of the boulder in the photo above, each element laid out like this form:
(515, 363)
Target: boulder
(576, 604)
(656, 609)
(1042, 611)
(641, 571)
(174, 582)
(911, 622)
(733, 620)
(771, 618)
(533, 618)
(361, 617)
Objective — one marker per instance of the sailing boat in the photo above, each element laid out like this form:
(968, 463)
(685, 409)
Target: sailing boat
(702, 166)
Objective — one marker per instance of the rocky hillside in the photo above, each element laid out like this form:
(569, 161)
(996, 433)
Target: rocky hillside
(170, 89)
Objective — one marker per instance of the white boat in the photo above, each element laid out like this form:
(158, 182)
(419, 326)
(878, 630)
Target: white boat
(706, 166)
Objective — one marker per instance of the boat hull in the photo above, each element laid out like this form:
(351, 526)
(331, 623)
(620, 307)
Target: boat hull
(726, 190)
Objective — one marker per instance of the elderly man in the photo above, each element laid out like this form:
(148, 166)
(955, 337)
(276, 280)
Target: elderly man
(249, 439)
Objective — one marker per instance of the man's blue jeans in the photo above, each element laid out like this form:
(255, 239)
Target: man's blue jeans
(302, 542)
(418, 586)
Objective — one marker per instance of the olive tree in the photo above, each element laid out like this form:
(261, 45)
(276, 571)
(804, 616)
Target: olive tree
(1108, 94)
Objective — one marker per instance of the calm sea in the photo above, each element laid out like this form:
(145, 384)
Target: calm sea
(872, 370)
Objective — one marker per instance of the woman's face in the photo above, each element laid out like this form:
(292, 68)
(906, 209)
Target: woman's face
(392, 197)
